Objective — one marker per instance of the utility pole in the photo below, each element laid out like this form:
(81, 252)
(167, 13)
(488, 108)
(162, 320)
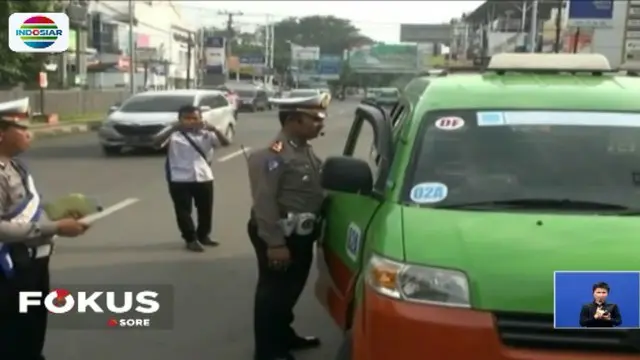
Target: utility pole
(556, 44)
(272, 53)
(267, 48)
(533, 31)
(230, 36)
(132, 48)
(189, 59)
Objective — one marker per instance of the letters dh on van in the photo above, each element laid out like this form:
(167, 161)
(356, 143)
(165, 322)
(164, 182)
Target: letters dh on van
(86, 307)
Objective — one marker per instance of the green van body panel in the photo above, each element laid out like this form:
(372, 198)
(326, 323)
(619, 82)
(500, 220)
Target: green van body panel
(490, 247)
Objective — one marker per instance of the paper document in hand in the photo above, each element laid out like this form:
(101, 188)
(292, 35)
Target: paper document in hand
(108, 211)
(71, 204)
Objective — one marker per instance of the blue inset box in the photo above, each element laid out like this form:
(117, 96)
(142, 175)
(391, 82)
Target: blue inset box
(578, 295)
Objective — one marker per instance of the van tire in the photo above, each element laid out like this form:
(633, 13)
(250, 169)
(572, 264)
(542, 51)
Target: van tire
(111, 150)
(346, 348)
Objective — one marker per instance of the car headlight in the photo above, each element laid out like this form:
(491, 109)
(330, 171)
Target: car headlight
(418, 283)
(106, 125)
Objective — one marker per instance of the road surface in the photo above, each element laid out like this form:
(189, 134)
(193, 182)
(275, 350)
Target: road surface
(140, 244)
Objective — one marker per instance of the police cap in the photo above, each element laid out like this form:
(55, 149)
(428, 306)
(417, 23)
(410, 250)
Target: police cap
(9, 119)
(315, 106)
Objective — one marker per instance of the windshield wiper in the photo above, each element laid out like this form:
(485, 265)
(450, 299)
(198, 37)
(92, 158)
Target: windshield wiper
(541, 203)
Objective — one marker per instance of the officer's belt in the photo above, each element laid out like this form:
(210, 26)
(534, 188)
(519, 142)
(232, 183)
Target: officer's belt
(41, 251)
(302, 224)
(16, 256)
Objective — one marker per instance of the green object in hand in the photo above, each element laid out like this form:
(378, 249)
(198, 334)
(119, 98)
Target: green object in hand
(71, 205)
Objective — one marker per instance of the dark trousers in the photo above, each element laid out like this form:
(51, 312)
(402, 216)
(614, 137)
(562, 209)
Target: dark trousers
(277, 293)
(184, 195)
(22, 336)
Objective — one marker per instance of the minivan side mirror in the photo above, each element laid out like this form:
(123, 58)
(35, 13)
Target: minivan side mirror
(347, 174)
(204, 108)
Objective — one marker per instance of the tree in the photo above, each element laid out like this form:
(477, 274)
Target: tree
(19, 67)
(333, 35)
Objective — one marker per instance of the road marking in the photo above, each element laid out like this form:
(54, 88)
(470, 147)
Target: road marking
(234, 154)
(110, 210)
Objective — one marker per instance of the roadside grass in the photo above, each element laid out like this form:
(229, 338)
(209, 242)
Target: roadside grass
(67, 118)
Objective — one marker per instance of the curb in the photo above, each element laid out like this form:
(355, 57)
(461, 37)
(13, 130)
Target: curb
(45, 131)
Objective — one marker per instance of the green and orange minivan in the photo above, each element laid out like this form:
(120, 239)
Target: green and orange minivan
(447, 219)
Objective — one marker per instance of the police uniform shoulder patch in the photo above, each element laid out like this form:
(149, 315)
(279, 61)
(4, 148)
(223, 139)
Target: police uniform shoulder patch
(277, 146)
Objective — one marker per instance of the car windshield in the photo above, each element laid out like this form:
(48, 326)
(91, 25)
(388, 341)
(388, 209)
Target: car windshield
(160, 103)
(304, 93)
(525, 158)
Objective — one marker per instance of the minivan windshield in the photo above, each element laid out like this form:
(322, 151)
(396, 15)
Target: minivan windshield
(160, 103)
(558, 159)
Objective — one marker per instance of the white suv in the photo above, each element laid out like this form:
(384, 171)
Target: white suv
(134, 123)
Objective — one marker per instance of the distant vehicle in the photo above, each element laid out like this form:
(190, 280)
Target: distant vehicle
(253, 99)
(387, 96)
(304, 93)
(325, 91)
(134, 123)
(371, 93)
(383, 96)
(231, 96)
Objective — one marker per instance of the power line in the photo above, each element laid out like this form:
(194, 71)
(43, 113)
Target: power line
(279, 17)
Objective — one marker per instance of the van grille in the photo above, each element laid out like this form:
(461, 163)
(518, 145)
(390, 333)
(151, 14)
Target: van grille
(138, 130)
(535, 331)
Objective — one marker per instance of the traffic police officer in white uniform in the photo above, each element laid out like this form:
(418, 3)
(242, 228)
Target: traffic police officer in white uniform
(25, 246)
(285, 222)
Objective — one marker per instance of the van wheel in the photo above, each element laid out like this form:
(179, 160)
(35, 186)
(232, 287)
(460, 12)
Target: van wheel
(111, 150)
(346, 348)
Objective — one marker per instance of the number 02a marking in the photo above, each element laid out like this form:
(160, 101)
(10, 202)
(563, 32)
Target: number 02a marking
(354, 236)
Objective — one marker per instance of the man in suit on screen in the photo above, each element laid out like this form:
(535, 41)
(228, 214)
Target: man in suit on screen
(600, 313)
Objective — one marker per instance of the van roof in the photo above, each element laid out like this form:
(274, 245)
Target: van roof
(530, 91)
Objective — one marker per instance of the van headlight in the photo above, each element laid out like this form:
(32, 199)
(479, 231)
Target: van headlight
(418, 283)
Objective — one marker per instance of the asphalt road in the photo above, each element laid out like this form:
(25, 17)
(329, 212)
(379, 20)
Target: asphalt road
(140, 245)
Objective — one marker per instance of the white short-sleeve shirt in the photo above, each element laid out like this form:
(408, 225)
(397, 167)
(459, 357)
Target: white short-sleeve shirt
(184, 162)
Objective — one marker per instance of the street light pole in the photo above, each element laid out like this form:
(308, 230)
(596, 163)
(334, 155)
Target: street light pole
(132, 48)
(533, 32)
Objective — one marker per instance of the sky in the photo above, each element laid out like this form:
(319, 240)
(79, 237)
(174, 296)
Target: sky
(379, 20)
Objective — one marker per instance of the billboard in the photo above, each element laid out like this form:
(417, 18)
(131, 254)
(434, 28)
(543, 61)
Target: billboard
(214, 55)
(431, 33)
(631, 42)
(590, 13)
(305, 53)
(329, 67)
(252, 64)
(305, 60)
(384, 58)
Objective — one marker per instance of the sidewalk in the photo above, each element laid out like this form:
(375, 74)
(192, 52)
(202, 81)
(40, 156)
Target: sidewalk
(64, 128)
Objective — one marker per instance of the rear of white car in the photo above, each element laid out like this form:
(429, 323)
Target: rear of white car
(141, 117)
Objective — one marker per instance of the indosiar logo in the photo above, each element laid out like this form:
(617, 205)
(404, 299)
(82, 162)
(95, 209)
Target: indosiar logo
(39, 32)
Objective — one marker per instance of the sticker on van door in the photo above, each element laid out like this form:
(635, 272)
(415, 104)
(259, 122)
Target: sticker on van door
(450, 123)
(354, 234)
(429, 193)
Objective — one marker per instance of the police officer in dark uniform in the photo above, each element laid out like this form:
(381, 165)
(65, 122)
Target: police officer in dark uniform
(25, 246)
(285, 222)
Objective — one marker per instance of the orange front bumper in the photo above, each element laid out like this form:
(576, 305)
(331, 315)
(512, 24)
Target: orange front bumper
(388, 329)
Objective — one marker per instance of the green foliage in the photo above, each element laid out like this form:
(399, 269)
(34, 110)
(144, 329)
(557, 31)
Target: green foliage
(14, 67)
(333, 35)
